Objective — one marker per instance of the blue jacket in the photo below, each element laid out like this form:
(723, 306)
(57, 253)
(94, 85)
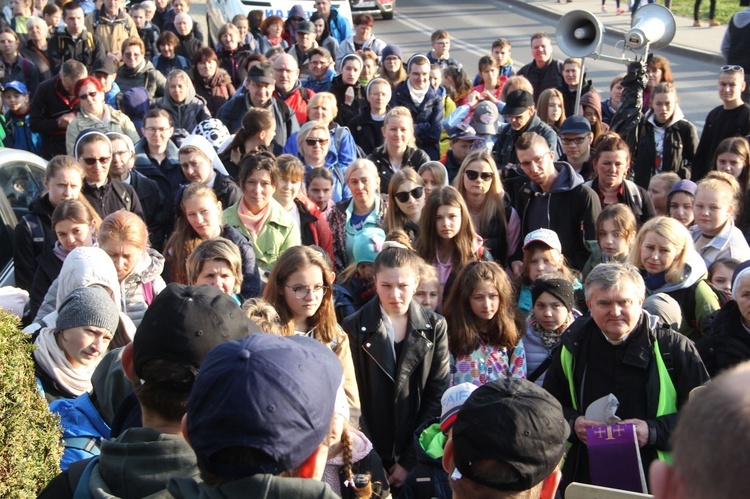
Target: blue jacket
(20, 135)
(341, 149)
(323, 85)
(83, 428)
(111, 99)
(427, 117)
(340, 27)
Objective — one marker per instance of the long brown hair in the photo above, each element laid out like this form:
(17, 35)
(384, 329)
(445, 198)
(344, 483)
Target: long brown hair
(293, 260)
(394, 217)
(347, 449)
(76, 211)
(184, 239)
(464, 331)
(428, 240)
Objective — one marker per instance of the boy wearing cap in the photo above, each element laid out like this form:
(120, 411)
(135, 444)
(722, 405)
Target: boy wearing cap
(462, 139)
(261, 406)
(576, 138)
(20, 136)
(105, 70)
(508, 438)
(180, 327)
(428, 478)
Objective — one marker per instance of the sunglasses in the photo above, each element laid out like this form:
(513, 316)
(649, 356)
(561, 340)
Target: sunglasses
(313, 141)
(732, 68)
(89, 95)
(473, 175)
(415, 193)
(92, 161)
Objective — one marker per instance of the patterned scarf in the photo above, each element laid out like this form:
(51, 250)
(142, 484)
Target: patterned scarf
(550, 338)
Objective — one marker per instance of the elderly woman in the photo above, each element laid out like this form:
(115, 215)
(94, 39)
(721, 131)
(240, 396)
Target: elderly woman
(36, 46)
(67, 354)
(258, 215)
(184, 107)
(272, 28)
(137, 71)
(365, 209)
(232, 54)
(210, 81)
(313, 143)
(95, 114)
(189, 43)
(341, 149)
(167, 60)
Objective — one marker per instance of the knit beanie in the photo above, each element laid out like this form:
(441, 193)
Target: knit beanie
(592, 99)
(88, 307)
(559, 288)
(367, 244)
(391, 50)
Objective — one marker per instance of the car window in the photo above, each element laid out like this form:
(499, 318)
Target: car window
(21, 183)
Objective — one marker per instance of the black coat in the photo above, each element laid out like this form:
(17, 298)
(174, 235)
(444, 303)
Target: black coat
(347, 112)
(46, 273)
(250, 274)
(413, 158)
(427, 478)
(550, 76)
(367, 133)
(495, 236)
(397, 398)
(504, 150)
(680, 143)
(86, 49)
(427, 116)
(634, 197)
(153, 204)
(112, 196)
(725, 343)
(49, 103)
(226, 189)
(235, 108)
(24, 250)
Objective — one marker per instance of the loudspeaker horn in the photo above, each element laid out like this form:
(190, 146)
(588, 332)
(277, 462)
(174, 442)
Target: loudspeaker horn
(653, 27)
(579, 33)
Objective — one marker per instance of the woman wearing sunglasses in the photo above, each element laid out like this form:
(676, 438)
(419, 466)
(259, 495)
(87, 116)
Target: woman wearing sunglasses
(406, 200)
(94, 114)
(399, 149)
(489, 205)
(313, 143)
(93, 151)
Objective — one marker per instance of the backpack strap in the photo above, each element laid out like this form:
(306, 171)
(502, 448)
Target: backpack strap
(86, 444)
(540, 370)
(124, 195)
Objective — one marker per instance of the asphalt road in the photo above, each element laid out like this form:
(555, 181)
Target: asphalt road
(475, 24)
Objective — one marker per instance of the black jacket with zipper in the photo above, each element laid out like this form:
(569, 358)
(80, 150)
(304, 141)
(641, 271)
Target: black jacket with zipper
(413, 158)
(398, 395)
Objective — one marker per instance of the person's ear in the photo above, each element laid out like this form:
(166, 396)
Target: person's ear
(448, 464)
(382, 130)
(550, 484)
(665, 482)
(127, 360)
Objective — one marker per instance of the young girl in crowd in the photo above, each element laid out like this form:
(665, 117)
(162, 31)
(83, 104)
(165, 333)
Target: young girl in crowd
(300, 288)
(359, 279)
(400, 352)
(658, 189)
(75, 223)
(392, 65)
(542, 254)
(447, 239)
(658, 71)
(732, 156)
(353, 468)
(680, 202)
(494, 219)
(720, 275)
(615, 232)
(550, 108)
(256, 134)
(185, 109)
(492, 82)
(319, 188)
(553, 311)
(666, 140)
(406, 200)
(124, 237)
(457, 84)
(664, 253)
(434, 176)
(428, 291)
(199, 220)
(714, 233)
(484, 328)
(591, 107)
(218, 263)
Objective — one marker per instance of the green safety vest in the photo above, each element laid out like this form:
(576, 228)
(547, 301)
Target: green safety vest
(667, 393)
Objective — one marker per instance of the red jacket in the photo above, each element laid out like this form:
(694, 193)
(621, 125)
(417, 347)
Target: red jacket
(314, 227)
(297, 100)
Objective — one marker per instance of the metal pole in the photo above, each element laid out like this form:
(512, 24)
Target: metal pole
(580, 86)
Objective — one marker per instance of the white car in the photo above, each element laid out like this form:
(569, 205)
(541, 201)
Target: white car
(220, 12)
(384, 8)
(21, 181)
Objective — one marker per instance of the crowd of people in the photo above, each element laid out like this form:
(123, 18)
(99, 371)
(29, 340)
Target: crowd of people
(409, 237)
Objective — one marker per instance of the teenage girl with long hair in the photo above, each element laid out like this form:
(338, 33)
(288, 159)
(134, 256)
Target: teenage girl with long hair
(406, 200)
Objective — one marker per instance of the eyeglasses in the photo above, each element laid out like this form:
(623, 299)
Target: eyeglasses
(415, 193)
(536, 161)
(89, 95)
(312, 141)
(574, 140)
(473, 175)
(731, 68)
(302, 292)
(120, 154)
(155, 130)
(92, 161)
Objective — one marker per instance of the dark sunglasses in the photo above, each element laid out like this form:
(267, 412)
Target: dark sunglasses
(92, 161)
(313, 141)
(473, 175)
(90, 95)
(415, 193)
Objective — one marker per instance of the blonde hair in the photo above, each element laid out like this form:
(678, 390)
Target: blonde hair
(324, 96)
(721, 182)
(124, 226)
(215, 249)
(438, 172)
(676, 234)
(263, 315)
(402, 112)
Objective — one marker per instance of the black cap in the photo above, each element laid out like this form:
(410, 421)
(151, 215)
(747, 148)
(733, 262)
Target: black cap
(104, 65)
(261, 73)
(184, 323)
(515, 422)
(517, 102)
(305, 27)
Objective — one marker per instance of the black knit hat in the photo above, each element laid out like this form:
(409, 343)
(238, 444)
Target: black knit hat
(559, 288)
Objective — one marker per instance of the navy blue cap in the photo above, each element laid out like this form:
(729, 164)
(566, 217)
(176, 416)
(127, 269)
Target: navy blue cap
(273, 394)
(687, 186)
(575, 124)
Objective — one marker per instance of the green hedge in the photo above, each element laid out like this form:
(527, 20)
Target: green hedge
(724, 10)
(30, 448)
